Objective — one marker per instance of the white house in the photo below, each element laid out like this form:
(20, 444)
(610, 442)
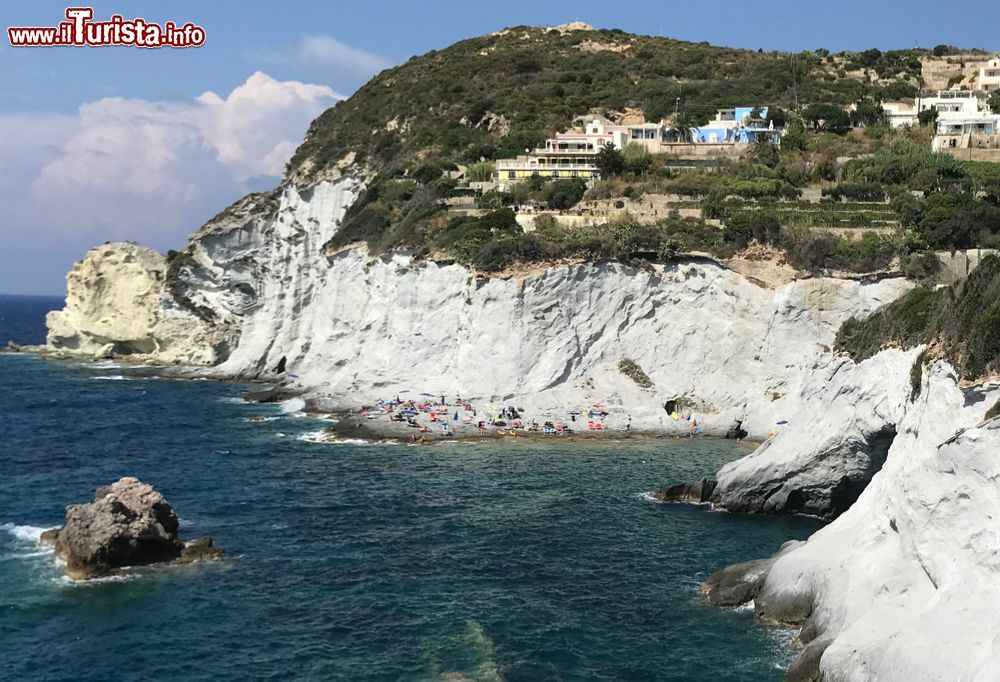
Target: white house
(951, 101)
(989, 75)
(958, 131)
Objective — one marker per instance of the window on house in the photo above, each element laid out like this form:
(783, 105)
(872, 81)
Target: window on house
(511, 174)
(555, 174)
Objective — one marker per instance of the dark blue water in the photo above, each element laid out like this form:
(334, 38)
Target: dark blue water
(22, 318)
(511, 562)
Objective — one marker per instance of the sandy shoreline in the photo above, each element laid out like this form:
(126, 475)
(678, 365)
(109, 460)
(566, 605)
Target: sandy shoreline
(382, 429)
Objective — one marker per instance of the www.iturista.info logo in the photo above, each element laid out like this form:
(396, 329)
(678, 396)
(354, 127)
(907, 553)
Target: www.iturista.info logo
(80, 30)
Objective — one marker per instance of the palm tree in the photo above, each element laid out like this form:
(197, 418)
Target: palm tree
(685, 123)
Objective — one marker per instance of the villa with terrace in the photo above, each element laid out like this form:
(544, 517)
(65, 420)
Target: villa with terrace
(573, 154)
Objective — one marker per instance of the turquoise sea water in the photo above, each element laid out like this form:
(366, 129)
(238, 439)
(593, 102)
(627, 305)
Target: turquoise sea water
(514, 561)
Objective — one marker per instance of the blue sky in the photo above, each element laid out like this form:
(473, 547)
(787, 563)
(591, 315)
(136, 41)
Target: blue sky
(121, 143)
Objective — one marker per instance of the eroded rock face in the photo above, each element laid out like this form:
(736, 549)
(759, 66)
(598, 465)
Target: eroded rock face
(117, 307)
(904, 584)
(740, 583)
(113, 297)
(840, 427)
(129, 523)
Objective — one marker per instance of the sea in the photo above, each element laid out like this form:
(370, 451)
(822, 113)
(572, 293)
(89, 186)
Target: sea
(510, 560)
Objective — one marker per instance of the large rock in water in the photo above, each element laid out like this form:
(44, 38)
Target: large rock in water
(129, 523)
(124, 300)
(698, 493)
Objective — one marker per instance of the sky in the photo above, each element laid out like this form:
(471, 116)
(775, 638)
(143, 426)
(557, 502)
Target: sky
(120, 143)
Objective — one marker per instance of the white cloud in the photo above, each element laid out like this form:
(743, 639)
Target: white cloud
(141, 170)
(329, 53)
(325, 57)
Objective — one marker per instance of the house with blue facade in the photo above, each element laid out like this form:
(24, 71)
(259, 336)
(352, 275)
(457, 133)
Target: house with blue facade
(737, 125)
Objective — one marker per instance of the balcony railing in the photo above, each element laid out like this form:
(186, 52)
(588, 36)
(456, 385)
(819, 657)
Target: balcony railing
(503, 167)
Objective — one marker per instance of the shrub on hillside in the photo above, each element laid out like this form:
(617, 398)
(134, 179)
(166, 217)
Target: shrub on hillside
(904, 322)
(563, 194)
(481, 171)
(963, 319)
(856, 191)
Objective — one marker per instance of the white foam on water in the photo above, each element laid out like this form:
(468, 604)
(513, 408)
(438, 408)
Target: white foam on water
(233, 400)
(24, 533)
(108, 377)
(324, 438)
(749, 606)
(648, 497)
(314, 437)
(92, 582)
(292, 405)
(259, 419)
(105, 364)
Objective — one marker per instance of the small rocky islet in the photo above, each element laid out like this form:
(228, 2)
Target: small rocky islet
(129, 524)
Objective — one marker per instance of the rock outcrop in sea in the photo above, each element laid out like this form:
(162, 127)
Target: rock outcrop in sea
(128, 524)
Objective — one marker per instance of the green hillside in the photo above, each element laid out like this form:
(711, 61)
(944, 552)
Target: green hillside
(493, 96)
(539, 79)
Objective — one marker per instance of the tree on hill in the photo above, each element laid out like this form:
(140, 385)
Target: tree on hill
(994, 102)
(687, 122)
(868, 112)
(609, 161)
(480, 171)
(927, 117)
(795, 138)
(828, 118)
(636, 158)
(563, 194)
(763, 151)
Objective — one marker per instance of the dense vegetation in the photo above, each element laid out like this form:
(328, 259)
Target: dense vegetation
(445, 105)
(919, 199)
(962, 322)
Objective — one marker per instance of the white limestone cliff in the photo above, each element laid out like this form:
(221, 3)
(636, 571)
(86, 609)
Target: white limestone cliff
(841, 422)
(904, 585)
(551, 339)
(256, 287)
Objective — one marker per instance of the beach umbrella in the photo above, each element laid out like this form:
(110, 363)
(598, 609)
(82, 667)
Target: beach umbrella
(429, 395)
(782, 422)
